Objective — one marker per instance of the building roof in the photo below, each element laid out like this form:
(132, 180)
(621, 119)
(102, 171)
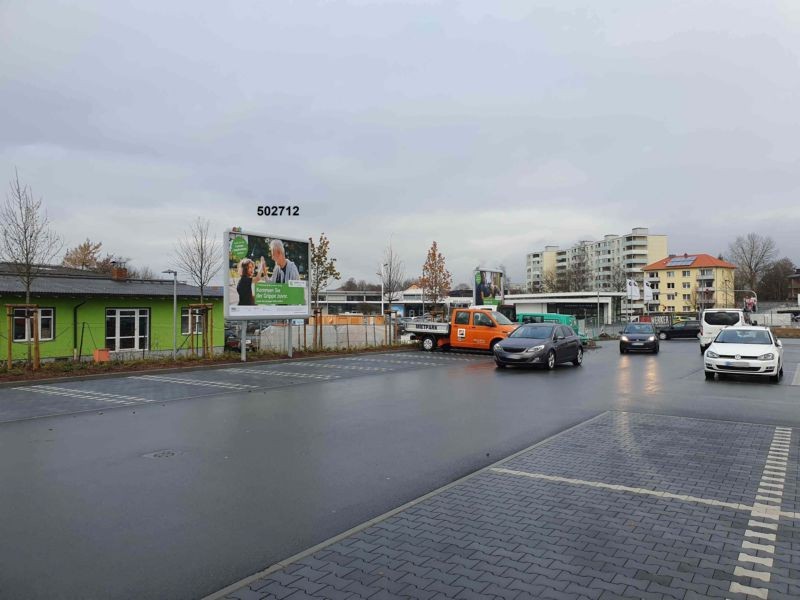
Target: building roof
(690, 261)
(64, 281)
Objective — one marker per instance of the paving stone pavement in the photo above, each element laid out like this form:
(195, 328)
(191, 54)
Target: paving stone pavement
(625, 505)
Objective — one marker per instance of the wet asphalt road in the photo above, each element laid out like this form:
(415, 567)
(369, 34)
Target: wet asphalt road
(261, 465)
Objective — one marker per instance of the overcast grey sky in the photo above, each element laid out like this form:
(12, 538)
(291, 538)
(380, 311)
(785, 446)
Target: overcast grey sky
(492, 127)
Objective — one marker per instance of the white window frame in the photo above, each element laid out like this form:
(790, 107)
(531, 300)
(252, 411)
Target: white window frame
(139, 312)
(42, 317)
(198, 321)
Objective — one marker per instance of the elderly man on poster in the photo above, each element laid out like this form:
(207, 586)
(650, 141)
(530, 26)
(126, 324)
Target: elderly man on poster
(285, 270)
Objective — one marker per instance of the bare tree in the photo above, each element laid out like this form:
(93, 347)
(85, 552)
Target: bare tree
(27, 241)
(199, 254)
(752, 254)
(436, 279)
(392, 273)
(551, 282)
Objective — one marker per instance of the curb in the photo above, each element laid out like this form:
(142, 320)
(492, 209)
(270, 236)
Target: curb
(219, 595)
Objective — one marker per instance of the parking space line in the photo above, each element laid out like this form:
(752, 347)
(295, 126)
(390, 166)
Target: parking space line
(86, 395)
(347, 367)
(214, 384)
(625, 488)
(269, 371)
(796, 380)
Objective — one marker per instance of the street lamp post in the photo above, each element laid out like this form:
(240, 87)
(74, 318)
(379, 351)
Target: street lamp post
(174, 312)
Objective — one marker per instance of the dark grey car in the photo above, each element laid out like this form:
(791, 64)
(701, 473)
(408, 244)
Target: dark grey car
(638, 337)
(543, 345)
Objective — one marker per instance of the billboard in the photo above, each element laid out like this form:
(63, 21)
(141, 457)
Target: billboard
(266, 276)
(488, 287)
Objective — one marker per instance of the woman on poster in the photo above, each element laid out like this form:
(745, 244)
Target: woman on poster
(247, 278)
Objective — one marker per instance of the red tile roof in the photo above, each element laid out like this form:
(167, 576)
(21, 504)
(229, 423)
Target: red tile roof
(703, 261)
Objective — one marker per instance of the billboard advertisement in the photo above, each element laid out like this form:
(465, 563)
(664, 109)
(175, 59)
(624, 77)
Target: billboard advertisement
(266, 276)
(488, 287)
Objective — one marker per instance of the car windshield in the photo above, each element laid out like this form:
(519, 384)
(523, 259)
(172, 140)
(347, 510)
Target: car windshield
(638, 328)
(536, 332)
(743, 336)
(501, 319)
(721, 318)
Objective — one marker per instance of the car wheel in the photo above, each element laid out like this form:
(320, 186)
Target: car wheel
(551, 360)
(429, 343)
(578, 358)
(709, 375)
(662, 336)
(621, 350)
(775, 378)
(499, 365)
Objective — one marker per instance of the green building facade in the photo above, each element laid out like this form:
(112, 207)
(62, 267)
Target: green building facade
(82, 311)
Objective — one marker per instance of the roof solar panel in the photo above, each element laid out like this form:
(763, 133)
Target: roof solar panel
(681, 261)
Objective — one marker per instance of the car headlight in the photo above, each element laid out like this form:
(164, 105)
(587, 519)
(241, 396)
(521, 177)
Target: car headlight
(624, 338)
(711, 354)
(534, 349)
(497, 347)
(652, 338)
(767, 356)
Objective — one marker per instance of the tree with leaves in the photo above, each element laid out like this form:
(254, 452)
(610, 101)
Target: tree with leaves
(27, 241)
(322, 270)
(199, 254)
(84, 256)
(436, 279)
(752, 254)
(392, 274)
(775, 282)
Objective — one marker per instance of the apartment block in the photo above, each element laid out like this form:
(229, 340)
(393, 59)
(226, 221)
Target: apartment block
(607, 262)
(691, 283)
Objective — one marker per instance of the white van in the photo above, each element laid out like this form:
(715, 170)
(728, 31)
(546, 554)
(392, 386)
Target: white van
(714, 320)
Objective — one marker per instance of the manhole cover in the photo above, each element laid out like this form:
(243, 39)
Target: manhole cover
(161, 454)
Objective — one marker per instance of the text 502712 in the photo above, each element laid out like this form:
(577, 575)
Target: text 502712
(278, 211)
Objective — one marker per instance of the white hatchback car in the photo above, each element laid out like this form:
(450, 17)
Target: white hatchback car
(746, 350)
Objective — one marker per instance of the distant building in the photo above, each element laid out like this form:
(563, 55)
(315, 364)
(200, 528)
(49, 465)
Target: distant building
(607, 262)
(690, 283)
(794, 285)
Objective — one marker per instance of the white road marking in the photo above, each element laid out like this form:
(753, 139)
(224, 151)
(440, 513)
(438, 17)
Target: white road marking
(214, 384)
(348, 367)
(770, 537)
(767, 562)
(267, 371)
(762, 547)
(781, 437)
(625, 488)
(796, 380)
(762, 524)
(85, 394)
(738, 588)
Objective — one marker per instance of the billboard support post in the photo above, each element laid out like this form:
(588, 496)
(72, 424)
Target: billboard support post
(243, 341)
